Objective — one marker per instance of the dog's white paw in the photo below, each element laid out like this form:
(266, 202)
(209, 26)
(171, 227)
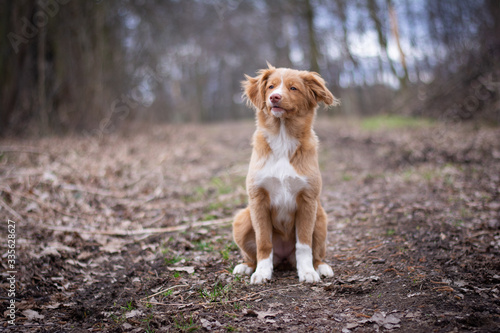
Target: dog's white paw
(308, 276)
(263, 272)
(324, 270)
(261, 276)
(242, 269)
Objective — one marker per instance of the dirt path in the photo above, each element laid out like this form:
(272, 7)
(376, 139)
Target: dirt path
(414, 232)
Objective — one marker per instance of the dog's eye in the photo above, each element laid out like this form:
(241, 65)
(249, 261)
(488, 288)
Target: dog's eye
(293, 88)
(271, 86)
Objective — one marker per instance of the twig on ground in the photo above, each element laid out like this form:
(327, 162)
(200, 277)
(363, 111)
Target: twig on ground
(245, 298)
(10, 210)
(156, 220)
(444, 288)
(139, 231)
(28, 150)
(38, 201)
(392, 270)
(99, 192)
(162, 291)
(439, 282)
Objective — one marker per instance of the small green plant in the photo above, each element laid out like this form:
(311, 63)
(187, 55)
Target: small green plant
(390, 232)
(168, 293)
(217, 293)
(203, 246)
(173, 260)
(148, 328)
(232, 246)
(225, 254)
(129, 306)
(209, 217)
(221, 186)
(346, 177)
(177, 275)
(185, 324)
(237, 277)
(215, 205)
(119, 320)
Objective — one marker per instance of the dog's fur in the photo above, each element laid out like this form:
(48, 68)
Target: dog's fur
(284, 220)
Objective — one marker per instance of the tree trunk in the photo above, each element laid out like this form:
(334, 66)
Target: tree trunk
(395, 32)
(313, 46)
(42, 104)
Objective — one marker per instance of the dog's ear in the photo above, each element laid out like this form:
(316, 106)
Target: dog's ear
(318, 90)
(254, 88)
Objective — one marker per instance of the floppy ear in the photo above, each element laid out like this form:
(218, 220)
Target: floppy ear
(251, 92)
(254, 88)
(318, 90)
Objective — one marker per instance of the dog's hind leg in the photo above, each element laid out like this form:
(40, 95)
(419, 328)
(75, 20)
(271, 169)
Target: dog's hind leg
(244, 236)
(319, 243)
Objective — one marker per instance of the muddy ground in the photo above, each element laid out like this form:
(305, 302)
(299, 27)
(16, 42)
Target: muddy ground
(108, 237)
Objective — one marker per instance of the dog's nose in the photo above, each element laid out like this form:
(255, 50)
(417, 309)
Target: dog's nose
(275, 98)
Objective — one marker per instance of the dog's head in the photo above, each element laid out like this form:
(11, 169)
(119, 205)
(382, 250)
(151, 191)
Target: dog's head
(285, 93)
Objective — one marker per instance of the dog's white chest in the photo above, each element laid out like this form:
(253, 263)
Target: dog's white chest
(278, 177)
(282, 182)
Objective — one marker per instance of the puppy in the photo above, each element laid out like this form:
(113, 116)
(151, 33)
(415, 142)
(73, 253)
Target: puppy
(284, 220)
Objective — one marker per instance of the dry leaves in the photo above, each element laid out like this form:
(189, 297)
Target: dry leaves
(414, 237)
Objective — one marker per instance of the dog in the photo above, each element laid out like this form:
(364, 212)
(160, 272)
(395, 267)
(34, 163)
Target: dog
(284, 220)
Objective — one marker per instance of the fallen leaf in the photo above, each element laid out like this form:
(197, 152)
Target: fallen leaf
(275, 305)
(114, 246)
(187, 269)
(389, 321)
(51, 306)
(351, 326)
(413, 314)
(262, 315)
(32, 207)
(133, 313)
(249, 313)
(31, 314)
(126, 326)
(85, 255)
(209, 325)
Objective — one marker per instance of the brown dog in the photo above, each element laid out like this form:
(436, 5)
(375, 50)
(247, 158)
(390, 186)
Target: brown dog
(284, 219)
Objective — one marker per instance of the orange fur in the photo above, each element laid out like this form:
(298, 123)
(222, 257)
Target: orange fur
(263, 226)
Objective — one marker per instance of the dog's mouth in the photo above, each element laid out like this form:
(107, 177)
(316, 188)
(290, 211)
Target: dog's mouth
(278, 112)
(278, 109)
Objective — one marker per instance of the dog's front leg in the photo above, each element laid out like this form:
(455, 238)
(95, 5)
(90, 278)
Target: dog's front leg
(261, 220)
(305, 220)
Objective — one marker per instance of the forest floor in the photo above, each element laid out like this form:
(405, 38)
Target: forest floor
(108, 237)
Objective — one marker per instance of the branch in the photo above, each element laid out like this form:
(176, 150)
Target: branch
(10, 210)
(139, 231)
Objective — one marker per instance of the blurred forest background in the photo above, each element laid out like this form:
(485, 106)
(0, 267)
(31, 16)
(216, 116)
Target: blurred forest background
(76, 66)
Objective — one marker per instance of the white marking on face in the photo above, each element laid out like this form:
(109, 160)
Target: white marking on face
(264, 270)
(280, 91)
